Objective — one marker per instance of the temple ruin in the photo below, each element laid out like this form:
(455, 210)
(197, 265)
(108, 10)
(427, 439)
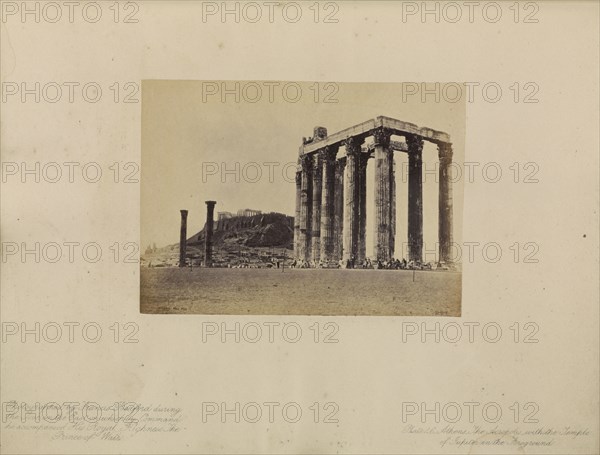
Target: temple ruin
(331, 195)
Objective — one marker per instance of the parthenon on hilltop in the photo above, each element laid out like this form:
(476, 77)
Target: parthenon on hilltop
(330, 219)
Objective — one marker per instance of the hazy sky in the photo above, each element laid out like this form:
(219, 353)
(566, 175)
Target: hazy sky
(185, 129)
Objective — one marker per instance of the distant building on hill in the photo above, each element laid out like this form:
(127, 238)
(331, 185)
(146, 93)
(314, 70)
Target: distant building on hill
(252, 218)
(248, 212)
(224, 215)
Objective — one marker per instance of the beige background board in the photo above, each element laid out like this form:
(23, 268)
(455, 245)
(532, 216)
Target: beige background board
(374, 367)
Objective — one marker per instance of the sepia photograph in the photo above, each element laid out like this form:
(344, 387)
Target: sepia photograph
(300, 198)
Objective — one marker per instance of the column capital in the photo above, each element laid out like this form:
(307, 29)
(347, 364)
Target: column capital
(414, 143)
(329, 153)
(353, 145)
(184, 213)
(306, 162)
(445, 152)
(382, 136)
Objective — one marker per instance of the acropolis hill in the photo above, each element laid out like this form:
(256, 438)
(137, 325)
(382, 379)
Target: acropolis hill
(251, 237)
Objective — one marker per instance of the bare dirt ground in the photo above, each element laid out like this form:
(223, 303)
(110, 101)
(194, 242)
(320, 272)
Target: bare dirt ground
(300, 292)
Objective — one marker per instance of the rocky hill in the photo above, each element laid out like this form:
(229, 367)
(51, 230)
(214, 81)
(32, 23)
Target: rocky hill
(257, 241)
(264, 230)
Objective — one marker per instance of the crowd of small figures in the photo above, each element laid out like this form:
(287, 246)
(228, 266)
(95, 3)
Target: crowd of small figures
(276, 262)
(393, 264)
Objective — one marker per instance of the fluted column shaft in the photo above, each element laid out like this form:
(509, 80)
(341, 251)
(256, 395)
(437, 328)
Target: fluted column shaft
(393, 210)
(362, 221)
(328, 205)
(183, 238)
(445, 203)
(316, 208)
(305, 209)
(351, 199)
(383, 194)
(415, 198)
(208, 233)
(338, 229)
(297, 214)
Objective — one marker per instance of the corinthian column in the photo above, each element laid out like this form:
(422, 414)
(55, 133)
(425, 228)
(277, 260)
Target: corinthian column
(183, 238)
(208, 233)
(383, 192)
(445, 203)
(316, 208)
(327, 207)
(415, 198)
(351, 199)
(362, 221)
(338, 223)
(393, 206)
(297, 213)
(305, 208)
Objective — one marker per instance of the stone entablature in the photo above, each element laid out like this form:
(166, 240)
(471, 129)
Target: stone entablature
(397, 127)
